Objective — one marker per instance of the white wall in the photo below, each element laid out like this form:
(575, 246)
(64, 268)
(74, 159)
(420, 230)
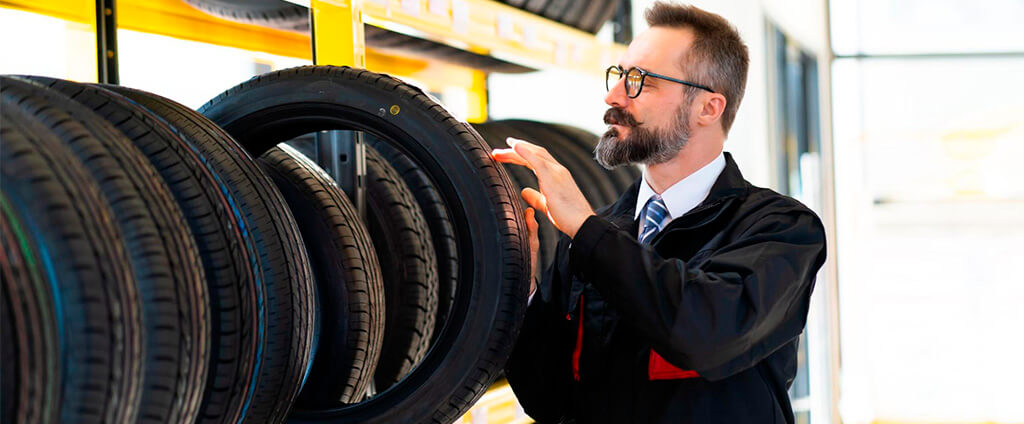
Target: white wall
(575, 99)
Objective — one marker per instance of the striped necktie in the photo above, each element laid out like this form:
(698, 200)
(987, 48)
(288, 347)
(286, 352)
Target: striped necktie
(655, 214)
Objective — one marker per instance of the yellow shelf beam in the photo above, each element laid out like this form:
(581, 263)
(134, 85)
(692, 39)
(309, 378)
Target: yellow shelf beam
(174, 18)
(478, 25)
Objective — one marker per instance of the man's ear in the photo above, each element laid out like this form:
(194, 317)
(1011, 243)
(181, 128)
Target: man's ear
(712, 107)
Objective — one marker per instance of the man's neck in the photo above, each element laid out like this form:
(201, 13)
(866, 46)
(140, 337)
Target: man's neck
(691, 158)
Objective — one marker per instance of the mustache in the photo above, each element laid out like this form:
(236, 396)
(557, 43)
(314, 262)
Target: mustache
(617, 116)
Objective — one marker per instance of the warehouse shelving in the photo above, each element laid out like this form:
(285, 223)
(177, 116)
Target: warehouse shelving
(479, 26)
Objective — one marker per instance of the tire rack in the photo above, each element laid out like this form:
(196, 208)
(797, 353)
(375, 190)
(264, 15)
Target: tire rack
(481, 26)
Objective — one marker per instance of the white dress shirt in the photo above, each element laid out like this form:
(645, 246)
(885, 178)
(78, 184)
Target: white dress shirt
(681, 197)
(685, 194)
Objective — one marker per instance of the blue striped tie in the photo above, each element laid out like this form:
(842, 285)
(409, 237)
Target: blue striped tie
(656, 213)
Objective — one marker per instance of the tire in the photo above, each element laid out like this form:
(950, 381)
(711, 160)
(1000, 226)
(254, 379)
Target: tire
(407, 45)
(546, 232)
(270, 13)
(30, 377)
(402, 239)
(281, 14)
(574, 13)
(439, 223)
(591, 19)
(555, 9)
(168, 269)
(285, 320)
(230, 260)
(604, 13)
(348, 277)
(9, 378)
(76, 306)
(490, 234)
(536, 6)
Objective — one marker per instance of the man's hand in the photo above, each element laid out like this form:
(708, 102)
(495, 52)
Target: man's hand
(559, 198)
(531, 225)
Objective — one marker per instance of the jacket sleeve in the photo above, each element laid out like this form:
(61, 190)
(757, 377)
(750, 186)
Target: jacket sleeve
(746, 300)
(539, 368)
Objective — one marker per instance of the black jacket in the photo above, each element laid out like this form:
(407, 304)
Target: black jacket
(699, 327)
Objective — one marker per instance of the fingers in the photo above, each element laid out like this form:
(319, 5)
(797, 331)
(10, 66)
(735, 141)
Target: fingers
(537, 156)
(531, 225)
(531, 220)
(535, 199)
(509, 156)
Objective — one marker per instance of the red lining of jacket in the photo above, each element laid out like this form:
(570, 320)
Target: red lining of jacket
(579, 344)
(657, 367)
(660, 369)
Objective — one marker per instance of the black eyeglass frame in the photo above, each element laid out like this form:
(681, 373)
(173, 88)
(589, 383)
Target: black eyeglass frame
(643, 76)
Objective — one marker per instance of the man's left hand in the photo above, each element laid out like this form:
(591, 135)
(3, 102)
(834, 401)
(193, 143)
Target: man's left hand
(559, 198)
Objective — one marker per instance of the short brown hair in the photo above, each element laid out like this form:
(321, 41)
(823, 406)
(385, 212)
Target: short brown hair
(718, 58)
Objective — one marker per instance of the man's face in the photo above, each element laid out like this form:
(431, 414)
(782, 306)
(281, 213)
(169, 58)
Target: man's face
(655, 126)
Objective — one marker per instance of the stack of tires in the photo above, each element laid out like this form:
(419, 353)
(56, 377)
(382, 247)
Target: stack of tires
(281, 14)
(573, 148)
(164, 265)
(586, 15)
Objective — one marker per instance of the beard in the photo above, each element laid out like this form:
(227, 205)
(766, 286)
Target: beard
(642, 145)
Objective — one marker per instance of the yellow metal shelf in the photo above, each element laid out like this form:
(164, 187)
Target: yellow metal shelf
(497, 406)
(482, 26)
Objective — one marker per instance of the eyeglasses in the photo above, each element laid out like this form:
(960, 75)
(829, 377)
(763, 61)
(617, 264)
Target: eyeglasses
(635, 80)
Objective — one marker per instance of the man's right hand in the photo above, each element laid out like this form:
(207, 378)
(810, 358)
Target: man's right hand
(531, 225)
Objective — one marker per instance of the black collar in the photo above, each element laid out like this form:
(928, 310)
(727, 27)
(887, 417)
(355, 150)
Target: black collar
(730, 183)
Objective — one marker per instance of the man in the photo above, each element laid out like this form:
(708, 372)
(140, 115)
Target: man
(683, 301)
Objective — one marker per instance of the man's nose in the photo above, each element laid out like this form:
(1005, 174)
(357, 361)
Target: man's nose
(616, 97)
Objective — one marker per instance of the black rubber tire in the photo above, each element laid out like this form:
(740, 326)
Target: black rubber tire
(442, 231)
(271, 13)
(407, 45)
(590, 21)
(77, 313)
(229, 258)
(31, 379)
(402, 239)
(490, 233)
(283, 354)
(168, 269)
(349, 282)
(574, 12)
(604, 13)
(546, 232)
(555, 9)
(10, 376)
(535, 6)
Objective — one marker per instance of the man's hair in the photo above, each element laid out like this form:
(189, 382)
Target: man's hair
(718, 57)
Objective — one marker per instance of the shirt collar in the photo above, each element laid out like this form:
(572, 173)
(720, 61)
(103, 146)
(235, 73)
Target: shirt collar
(685, 194)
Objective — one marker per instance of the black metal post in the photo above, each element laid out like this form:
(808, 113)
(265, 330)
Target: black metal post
(343, 155)
(106, 42)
